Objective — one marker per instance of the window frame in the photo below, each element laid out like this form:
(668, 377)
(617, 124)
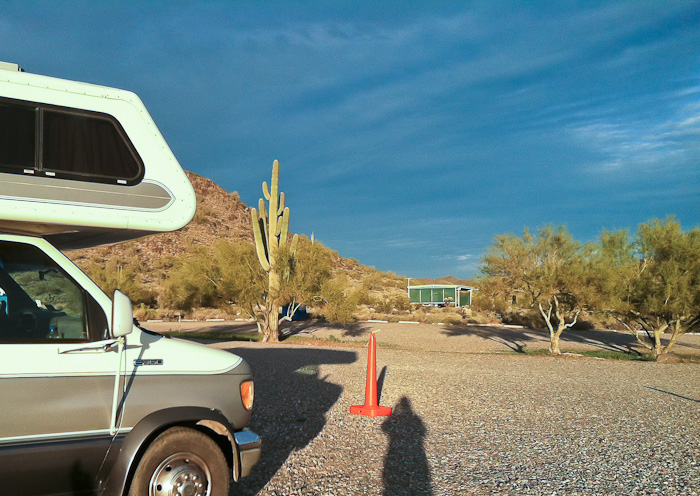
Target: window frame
(39, 131)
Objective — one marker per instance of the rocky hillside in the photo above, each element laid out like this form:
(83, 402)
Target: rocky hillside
(444, 280)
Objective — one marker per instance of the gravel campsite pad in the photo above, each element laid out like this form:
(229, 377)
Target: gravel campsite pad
(468, 420)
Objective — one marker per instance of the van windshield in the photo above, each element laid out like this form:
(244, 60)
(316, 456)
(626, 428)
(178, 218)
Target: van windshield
(37, 299)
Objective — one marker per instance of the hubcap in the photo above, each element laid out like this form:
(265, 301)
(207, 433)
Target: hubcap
(181, 474)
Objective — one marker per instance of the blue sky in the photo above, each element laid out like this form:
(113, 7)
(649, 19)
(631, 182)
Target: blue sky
(409, 134)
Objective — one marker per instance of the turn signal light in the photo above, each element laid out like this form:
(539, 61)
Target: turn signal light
(247, 394)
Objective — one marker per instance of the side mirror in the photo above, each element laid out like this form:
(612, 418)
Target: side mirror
(122, 315)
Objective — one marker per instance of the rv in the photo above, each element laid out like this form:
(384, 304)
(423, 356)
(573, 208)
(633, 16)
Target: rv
(92, 402)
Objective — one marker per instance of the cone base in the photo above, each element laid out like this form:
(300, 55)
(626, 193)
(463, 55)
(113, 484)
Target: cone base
(371, 411)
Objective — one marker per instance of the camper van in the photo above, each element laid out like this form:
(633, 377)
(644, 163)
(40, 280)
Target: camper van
(91, 402)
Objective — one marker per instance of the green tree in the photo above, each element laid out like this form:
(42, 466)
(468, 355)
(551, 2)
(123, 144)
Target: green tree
(241, 279)
(303, 274)
(192, 281)
(120, 273)
(548, 269)
(303, 278)
(652, 283)
(338, 302)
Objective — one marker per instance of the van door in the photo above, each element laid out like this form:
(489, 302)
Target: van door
(55, 395)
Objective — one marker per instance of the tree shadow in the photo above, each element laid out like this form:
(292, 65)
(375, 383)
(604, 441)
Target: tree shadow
(516, 340)
(291, 400)
(225, 328)
(353, 330)
(606, 340)
(406, 469)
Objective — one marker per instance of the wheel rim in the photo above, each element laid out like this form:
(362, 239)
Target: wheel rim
(181, 474)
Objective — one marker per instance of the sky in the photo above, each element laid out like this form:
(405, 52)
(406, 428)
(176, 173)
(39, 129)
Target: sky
(409, 134)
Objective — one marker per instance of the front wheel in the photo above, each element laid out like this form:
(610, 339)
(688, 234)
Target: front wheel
(182, 462)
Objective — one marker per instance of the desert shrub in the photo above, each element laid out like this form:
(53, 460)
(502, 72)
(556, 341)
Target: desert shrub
(531, 319)
(143, 312)
(120, 273)
(383, 306)
(337, 306)
(361, 296)
(190, 282)
(373, 281)
(402, 303)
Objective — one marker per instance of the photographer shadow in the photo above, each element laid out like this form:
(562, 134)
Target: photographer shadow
(406, 469)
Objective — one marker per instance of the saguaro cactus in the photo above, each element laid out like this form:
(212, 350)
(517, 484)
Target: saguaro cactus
(271, 232)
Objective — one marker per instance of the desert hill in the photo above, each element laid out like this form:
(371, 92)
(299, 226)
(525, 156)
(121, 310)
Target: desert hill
(444, 280)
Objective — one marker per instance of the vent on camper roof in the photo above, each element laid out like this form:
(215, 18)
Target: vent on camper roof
(10, 67)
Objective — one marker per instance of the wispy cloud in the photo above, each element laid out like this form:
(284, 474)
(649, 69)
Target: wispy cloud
(642, 147)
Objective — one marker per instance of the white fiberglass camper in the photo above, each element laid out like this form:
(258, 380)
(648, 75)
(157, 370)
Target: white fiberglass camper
(93, 403)
(83, 165)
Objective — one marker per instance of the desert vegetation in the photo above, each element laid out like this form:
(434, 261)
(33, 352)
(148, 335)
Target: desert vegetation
(645, 283)
(648, 284)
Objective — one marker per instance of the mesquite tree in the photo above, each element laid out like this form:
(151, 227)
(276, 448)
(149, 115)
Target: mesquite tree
(548, 269)
(651, 283)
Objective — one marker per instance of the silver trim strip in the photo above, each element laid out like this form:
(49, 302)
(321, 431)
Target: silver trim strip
(57, 436)
(147, 195)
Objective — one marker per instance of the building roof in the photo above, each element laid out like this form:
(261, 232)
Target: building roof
(441, 286)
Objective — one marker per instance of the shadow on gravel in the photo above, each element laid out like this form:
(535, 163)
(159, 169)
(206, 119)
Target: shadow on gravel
(517, 339)
(514, 339)
(406, 469)
(672, 394)
(291, 400)
(308, 327)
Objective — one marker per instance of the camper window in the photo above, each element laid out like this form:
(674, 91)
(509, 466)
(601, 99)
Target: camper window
(17, 136)
(85, 145)
(65, 143)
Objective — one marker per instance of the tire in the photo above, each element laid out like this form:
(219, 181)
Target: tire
(186, 457)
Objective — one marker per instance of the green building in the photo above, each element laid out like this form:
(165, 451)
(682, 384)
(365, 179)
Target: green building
(439, 295)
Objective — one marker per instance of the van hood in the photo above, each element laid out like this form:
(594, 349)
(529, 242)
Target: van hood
(157, 354)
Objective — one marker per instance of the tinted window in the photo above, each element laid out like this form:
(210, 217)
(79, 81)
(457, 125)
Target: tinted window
(38, 300)
(86, 145)
(65, 143)
(17, 136)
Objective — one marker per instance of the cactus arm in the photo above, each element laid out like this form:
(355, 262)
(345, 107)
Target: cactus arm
(295, 239)
(261, 208)
(263, 261)
(266, 191)
(274, 190)
(274, 206)
(280, 209)
(260, 248)
(284, 227)
(265, 234)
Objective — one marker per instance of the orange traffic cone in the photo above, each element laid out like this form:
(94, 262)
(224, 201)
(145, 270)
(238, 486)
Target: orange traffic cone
(371, 408)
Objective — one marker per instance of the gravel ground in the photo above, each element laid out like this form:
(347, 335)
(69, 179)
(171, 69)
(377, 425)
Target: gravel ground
(469, 422)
